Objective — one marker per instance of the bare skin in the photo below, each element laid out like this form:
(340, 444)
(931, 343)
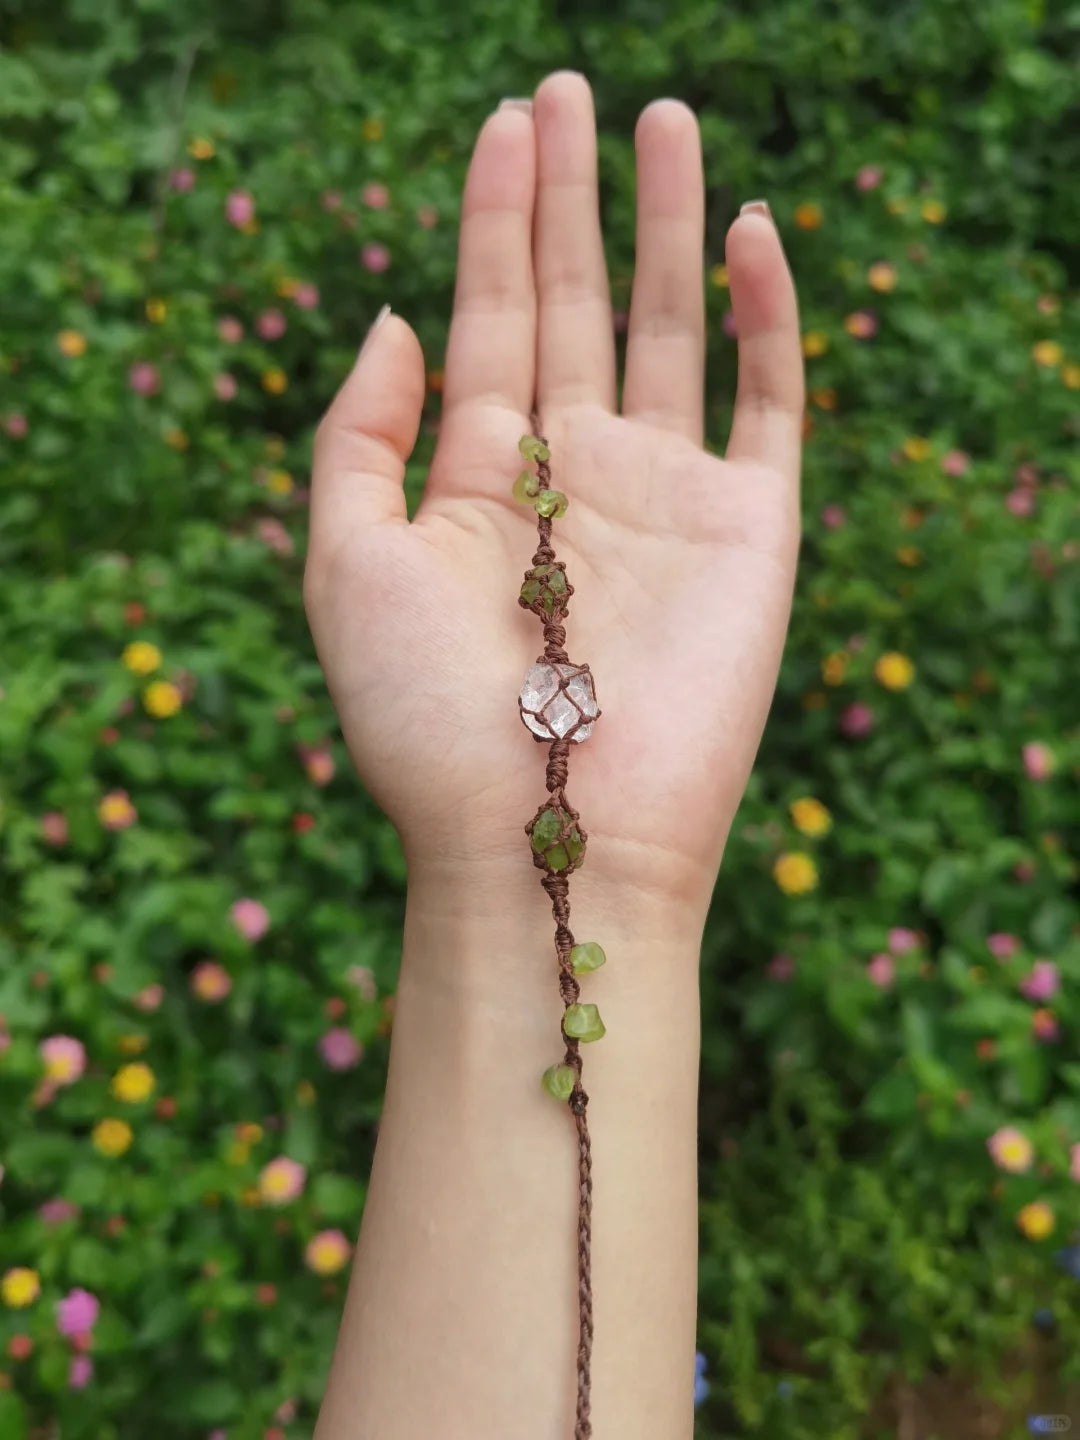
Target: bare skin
(461, 1318)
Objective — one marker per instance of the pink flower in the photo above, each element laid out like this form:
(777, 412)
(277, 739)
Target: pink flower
(143, 378)
(77, 1313)
(869, 177)
(1002, 946)
(54, 828)
(271, 324)
(281, 1181)
(1020, 502)
(1044, 1026)
(182, 179)
(375, 257)
(210, 981)
(428, 216)
(273, 533)
(363, 977)
(727, 324)
(833, 517)
(319, 764)
(225, 386)
(331, 200)
(251, 918)
(16, 426)
(150, 998)
(861, 324)
(239, 208)
(64, 1057)
(285, 1413)
(856, 720)
(881, 970)
(82, 1368)
(56, 1211)
(955, 462)
(328, 1252)
(780, 967)
(340, 1050)
(306, 296)
(901, 941)
(1039, 761)
(1011, 1150)
(230, 329)
(375, 196)
(1074, 1162)
(1027, 475)
(1043, 982)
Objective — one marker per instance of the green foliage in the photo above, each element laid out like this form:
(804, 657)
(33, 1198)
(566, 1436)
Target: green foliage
(856, 1233)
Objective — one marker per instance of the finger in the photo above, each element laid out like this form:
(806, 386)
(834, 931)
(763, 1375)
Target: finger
(665, 348)
(770, 398)
(492, 345)
(366, 436)
(576, 341)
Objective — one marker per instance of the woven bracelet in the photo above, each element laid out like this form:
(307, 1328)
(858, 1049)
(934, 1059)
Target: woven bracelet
(558, 705)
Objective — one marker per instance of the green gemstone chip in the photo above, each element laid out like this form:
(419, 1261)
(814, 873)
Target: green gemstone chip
(551, 504)
(532, 448)
(558, 1081)
(586, 957)
(582, 1022)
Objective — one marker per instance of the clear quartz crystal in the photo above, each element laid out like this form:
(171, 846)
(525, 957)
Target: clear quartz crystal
(549, 711)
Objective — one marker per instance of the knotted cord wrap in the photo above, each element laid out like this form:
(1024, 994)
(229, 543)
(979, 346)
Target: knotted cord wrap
(566, 845)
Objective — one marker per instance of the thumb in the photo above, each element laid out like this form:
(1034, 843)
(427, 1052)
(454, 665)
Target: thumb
(368, 433)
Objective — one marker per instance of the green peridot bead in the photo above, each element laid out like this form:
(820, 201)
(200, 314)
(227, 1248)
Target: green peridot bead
(532, 448)
(526, 488)
(586, 957)
(582, 1022)
(558, 1081)
(558, 853)
(551, 503)
(530, 590)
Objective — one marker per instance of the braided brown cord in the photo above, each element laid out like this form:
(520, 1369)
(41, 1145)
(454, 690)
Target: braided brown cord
(557, 885)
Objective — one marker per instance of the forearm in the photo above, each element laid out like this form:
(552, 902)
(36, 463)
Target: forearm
(462, 1313)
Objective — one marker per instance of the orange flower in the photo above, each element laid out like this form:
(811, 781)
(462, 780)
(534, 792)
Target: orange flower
(71, 343)
(808, 216)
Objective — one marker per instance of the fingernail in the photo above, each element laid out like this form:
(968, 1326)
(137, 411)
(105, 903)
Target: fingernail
(379, 318)
(525, 106)
(756, 207)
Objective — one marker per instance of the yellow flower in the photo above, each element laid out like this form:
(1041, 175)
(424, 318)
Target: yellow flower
(898, 205)
(279, 482)
(156, 310)
(201, 148)
(824, 399)
(162, 699)
(915, 447)
(719, 277)
(131, 1044)
(305, 1092)
(327, 1253)
(909, 555)
(814, 343)
(275, 382)
(894, 671)
(286, 286)
(237, 1153)
(141, 658)
(176, 439)
(133, 1083)
(882, 277)
(248, 1132)
(808, 216)
(112, 1137)
(20, 1287)
(1070, 375)
(115, 811)
(933, 212)
(810, 816)
(71, 343)
(1036, 1220)
(834, 668)
(373, 129)
(1048, 353)
(795, 873)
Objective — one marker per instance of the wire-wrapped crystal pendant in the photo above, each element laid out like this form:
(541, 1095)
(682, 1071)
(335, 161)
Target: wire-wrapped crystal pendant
(558, 701)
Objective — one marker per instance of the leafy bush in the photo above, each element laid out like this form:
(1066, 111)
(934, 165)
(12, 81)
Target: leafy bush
(202, 213)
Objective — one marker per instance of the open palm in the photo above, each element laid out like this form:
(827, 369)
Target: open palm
(682, 563)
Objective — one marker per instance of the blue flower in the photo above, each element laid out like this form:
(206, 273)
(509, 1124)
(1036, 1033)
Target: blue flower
(1069, 1260)
(701, 1385)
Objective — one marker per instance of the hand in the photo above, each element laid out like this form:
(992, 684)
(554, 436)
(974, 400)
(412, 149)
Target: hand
(682, 563)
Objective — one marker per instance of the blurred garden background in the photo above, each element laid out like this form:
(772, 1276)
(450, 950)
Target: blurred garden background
(203, 207)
